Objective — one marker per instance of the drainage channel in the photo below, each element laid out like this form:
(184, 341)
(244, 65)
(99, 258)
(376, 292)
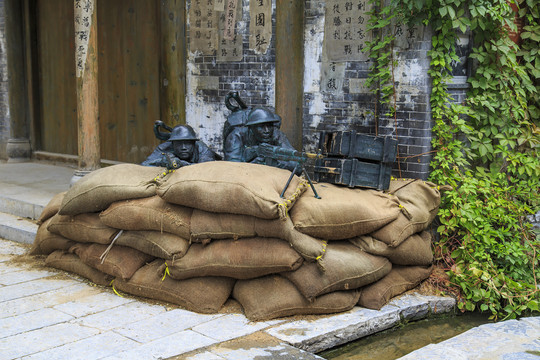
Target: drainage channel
(401, 340)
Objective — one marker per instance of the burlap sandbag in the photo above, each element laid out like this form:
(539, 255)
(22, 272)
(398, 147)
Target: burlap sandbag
(97, 190)
(86, 228)
(206, 226)
(151, 213)
(118, 261)
(274, 296)
(343, 213)
(66, 261)
(421, 202)
(159, 244)
(399, 280)
(415, 250)
(51, 208)
(346, 267)
(231, 187)
(46, 242)
(203, 295)
(239, 259)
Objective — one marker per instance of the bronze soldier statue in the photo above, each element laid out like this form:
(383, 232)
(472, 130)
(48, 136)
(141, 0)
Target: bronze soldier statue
(262, 127)
(181, 149)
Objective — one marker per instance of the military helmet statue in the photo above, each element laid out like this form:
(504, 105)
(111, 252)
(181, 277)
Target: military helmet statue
(183, 132)
(261, 116)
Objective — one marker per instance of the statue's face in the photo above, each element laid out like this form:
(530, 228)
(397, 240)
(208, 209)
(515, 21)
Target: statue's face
(183, 149)
(263, 132)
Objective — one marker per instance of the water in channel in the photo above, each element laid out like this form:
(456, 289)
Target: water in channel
(394, 343)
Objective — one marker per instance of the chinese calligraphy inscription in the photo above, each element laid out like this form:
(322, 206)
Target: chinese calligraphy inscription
(260, 26)
(83, 20)
(345, 31)
(203, 27)
(333, 75)
(230, 19)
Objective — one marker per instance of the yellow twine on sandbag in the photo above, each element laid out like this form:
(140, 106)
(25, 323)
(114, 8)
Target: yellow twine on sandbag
(283, 208)
(405, 211)
(323, 250)
(162, 175)
(166, 272)
(114, 289)
(319, 259)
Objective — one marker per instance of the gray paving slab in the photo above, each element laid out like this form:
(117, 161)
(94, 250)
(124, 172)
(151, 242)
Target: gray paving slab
(120, 316)
(169, 322)
(94, 347)
(45, 300)
(37, 176)
(12, 248)
(167, 346)
(17, 277)
(512, 339)
(91, 304)
(32, 288)
(6, 268)
(231, 326)
(411, 307)
(31, 321)
(323, 333)
(35, 341)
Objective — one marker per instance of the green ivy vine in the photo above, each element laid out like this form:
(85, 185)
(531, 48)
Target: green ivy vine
(486, 148)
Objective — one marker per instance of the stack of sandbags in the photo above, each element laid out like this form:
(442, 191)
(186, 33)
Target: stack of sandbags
(209, 231)
(404, 241)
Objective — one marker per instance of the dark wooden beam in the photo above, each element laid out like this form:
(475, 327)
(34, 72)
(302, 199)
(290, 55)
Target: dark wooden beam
(290, 67)
(173, 62)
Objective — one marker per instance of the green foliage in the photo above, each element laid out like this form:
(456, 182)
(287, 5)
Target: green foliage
(380, 50)
(487, 149)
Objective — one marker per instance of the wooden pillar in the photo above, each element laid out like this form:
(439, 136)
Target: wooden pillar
(290, 67)
(173, 62)
(18, 146)
(86, 71)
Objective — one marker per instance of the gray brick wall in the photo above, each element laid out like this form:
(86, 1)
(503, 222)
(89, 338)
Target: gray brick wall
(4, 107)
(355, 111)
(253, 77)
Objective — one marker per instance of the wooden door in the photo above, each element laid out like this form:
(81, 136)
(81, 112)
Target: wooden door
(56, 76)
(128, 43)
(128, 67)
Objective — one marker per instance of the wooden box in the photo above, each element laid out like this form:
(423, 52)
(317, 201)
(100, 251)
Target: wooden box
(355, 160)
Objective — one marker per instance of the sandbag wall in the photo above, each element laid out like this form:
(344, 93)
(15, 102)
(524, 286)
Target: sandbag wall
(218, 230)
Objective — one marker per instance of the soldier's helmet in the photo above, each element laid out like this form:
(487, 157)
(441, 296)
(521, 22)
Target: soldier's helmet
(183, 132)
(261, 116)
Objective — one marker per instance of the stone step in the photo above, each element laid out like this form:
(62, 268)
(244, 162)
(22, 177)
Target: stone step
(16, 228)
(23, 204)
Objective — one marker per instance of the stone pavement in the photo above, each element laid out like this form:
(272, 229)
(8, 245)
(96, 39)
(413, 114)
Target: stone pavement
(49, 314)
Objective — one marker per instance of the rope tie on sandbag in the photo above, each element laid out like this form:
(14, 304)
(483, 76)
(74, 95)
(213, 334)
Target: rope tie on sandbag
(162, 175)
(319, 259)
(166, 272)
(405, 212)
(283, 208)
(114, 289)
(106, 252)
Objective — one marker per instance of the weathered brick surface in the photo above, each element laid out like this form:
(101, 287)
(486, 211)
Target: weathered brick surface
(346, 110)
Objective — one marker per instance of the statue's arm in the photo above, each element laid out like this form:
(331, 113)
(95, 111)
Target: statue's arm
(233, 148)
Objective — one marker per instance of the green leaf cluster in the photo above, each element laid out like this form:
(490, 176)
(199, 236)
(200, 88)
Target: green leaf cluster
(487, 149)
(381, 53)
